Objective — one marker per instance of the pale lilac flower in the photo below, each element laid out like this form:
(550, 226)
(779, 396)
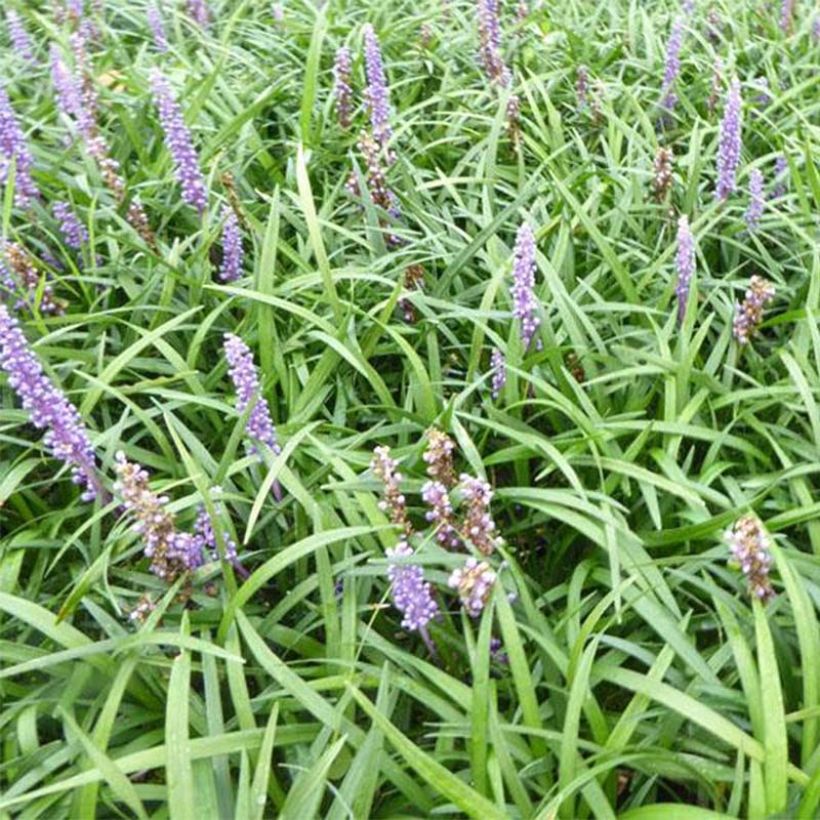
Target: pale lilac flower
(662, 173)
(729, 143)
(66, 90)
(786, 15)
(172, 552)
(685, 264)
(672, 65)
(232, 252)
(498, 367)
(377, 91)
(754, 211)
(763, 97)
(180, 144)
(243, 375)
(66, 436)
(781, 172)
(815, 28)
(489, 32)
(343, 91)
(278, 12)
(523, 287)
(74, 232)
(393, 502)
(749, 312)
(717, 82)
(13, 149)
(581, 86)
(20, 41)
(478, 527)
(474, 583)
(438, 456)
(749, 545)
(688, 7)
(412, 596)
(155, 23)
(23, 265)
(204, 528)
(198, 11)
(440, 514)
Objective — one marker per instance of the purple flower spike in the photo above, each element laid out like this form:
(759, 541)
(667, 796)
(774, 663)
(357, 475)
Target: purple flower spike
(154, 17)
(66, 437)
(343, 91)
(377, 93)
(685, 263)
(781, 170)
(749, 312)
(672, 65)
(749, 546)
(232, 252)
(755, 209)
(474, 582)
(412, 596)
(786, 15)
(479, 527)
(243, 375)
(172, 553)
(524, 302)
(729, 143)
(198, 11)
(66, 91)
(20, 41)
(74, 232)
(13, 149)
(440, 514)
(498, 367)
(180, 144)
(204, 528)
(489, 33)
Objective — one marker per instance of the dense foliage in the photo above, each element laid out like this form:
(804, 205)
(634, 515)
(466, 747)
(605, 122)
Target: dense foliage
(409, 408)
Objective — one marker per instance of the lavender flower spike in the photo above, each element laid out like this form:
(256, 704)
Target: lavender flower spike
(781, 171)
(749, 312)
(154, 17)
(198, 11)
(66, 437)
(524, 302)
(232, 252)
(66, 90)
(342, 90)
(498, 367)
(755, 209)
(786, 15)
(20, 41)
(474, 582)
(729, 143)
(489, 32)
(672, 66)
(377, 92)
(412, 596)
(685, 263)
(13, 149)
(74, 232)
(172, 553)
(180, 144)
(243, 375)
(479, 527)
(749, 545)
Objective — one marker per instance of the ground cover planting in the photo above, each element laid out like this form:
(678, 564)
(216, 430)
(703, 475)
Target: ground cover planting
(409, 409)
